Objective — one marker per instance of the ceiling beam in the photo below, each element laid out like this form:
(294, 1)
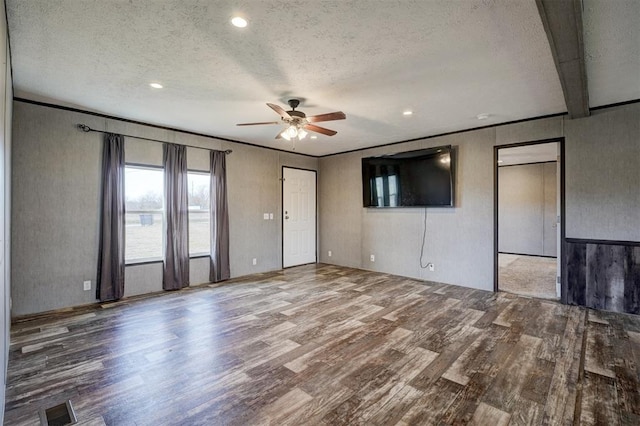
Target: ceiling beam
(562, 21)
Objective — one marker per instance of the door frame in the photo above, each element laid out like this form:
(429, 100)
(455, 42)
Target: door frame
(561, 249)
(315, 216)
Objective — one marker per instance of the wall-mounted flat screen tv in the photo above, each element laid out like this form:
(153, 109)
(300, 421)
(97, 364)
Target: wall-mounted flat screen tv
(423, 178)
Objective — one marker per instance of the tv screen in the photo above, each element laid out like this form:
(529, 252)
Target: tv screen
(423, 178)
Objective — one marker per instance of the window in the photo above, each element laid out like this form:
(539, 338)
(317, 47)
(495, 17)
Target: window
(199, 219)
(144, 208)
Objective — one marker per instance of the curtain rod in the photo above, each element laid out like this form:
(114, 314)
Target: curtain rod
(88, 129)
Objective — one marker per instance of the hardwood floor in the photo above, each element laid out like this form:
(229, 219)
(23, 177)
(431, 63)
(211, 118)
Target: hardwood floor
(328, 345)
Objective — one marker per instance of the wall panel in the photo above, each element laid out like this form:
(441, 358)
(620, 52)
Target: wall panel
(527, 209)
(550, 209)
(604, 275)
(602, 155)
(56, 167)
(458, 240)
(603, 175)
(56, 173)
(6, 111)
(521, 209)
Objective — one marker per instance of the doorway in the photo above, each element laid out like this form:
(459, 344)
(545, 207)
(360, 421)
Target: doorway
(299, 216)
(529, 211)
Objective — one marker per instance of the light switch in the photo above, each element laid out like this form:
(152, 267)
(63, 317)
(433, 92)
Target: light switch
(270, 216)
(266, 216)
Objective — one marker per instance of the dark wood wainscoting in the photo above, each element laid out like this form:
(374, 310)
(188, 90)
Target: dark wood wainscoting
(603, 274)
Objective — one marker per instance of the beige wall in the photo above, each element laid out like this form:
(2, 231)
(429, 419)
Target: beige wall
(602, 155)
(459, 240)
(56, 175)
(603, 175)
(56, 166)
(527, 209)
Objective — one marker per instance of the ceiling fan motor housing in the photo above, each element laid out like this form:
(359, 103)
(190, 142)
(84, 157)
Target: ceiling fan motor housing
(299, 114)
(296, 115)
(293, 103)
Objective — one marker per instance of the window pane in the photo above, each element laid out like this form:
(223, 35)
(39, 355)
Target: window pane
(144, 206)
(199, 220)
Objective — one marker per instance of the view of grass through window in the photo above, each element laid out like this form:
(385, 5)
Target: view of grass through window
(199, 220)
(144, 207)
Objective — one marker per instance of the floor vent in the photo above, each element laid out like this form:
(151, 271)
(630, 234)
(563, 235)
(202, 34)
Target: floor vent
(58, 415)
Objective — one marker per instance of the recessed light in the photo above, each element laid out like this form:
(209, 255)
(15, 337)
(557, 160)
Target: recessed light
(314, 137)
(500, 161)
(408, 112)
(239, 22)
(483, 116)
(156, 85)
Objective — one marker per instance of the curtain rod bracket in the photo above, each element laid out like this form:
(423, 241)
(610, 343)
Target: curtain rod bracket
(84, 128)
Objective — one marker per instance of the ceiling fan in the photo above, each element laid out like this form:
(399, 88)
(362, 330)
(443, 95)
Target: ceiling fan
(298, 123)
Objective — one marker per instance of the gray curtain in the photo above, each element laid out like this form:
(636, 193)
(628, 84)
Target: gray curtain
(176, 253)
(219, 270)
(110, 281)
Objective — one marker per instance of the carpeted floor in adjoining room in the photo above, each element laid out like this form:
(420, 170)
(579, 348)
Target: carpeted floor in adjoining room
(527, 275)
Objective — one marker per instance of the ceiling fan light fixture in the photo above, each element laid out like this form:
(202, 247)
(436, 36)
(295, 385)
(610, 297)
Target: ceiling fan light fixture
(302, 134)
(285, 134)
(292, 131)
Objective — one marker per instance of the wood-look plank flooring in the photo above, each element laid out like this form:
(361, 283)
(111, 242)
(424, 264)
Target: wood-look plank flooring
(328, 345)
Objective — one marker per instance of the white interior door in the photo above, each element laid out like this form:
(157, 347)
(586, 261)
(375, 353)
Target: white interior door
(299, 217)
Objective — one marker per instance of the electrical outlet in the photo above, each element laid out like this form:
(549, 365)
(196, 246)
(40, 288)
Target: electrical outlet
(87, 285)
(255, 261)
(372, 258)
(270, 216)
(432, 267)
(329, 253)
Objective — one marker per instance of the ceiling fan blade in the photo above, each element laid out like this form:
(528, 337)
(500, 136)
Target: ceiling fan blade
(279, 135)
(257, 124)
(279, 110)
(319, 129)
(338, 115)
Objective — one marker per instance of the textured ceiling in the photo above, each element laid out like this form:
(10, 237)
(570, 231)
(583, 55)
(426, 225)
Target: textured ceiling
(447, 60)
